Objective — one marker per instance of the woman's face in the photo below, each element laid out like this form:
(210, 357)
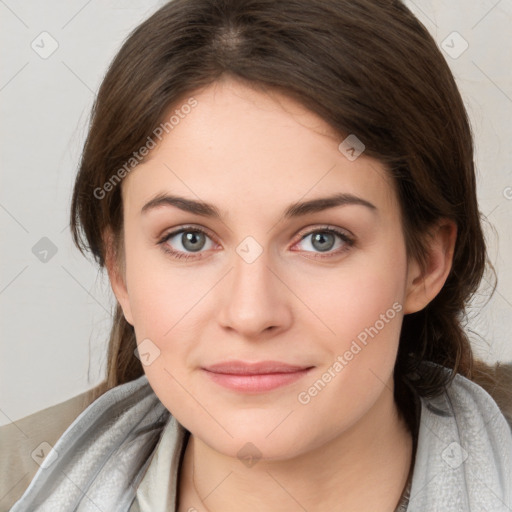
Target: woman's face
(267, 280)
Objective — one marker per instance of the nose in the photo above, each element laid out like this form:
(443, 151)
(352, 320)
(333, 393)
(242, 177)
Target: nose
(255, 301)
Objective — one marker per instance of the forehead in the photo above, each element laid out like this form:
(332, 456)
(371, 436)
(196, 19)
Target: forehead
(242, 148)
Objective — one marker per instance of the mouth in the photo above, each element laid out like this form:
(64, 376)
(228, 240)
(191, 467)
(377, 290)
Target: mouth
(255, 377)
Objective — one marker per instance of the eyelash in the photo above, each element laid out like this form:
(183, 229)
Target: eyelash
(348, 241)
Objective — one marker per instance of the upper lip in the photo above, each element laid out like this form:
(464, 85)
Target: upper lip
(257, 368)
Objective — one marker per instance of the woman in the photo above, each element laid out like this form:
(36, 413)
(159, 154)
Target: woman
(283, 195)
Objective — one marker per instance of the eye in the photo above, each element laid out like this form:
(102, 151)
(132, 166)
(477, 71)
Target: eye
(324, 241)
(187, 240)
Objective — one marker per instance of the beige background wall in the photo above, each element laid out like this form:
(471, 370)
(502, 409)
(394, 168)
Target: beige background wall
(54, 305)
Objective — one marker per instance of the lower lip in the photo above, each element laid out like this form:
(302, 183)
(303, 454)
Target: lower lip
(256, 383)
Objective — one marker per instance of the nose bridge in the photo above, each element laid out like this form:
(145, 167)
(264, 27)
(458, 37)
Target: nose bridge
(254, 298)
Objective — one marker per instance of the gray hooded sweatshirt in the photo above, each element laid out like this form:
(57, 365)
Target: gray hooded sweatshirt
(123, 454)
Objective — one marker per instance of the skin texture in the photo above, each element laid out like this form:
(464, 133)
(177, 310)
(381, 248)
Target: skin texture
(252, 154)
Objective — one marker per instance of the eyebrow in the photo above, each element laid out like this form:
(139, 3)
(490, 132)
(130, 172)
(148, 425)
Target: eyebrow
(294, 210)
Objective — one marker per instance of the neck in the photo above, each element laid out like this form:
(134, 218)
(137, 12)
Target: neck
(363, 468)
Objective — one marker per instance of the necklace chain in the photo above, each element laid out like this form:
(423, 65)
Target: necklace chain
(194, 481)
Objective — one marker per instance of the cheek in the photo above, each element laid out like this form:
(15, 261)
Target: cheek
(362, 306)
(168, 308)
(168, 305)
(161, 294)
(366, 292)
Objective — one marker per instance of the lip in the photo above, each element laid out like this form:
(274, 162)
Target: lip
(255, 377)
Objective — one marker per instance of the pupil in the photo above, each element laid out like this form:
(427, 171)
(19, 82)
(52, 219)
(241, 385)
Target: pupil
(321, 237)
(190, 240)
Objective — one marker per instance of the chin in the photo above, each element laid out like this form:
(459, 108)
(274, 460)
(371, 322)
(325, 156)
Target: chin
(250, 447)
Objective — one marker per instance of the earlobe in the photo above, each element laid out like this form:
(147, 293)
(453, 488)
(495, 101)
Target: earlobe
(424, 284)
(116, 275)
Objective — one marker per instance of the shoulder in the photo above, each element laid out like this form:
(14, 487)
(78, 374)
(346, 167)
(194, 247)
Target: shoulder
(26, 442)
(471, 403)
(464, 453)
(487, 392)
(497, 381)
(108, 444)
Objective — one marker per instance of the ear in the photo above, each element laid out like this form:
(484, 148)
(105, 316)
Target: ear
(114, 263)
(424, 284)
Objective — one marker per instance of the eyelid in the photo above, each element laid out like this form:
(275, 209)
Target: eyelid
(325, 227)
(187, 227)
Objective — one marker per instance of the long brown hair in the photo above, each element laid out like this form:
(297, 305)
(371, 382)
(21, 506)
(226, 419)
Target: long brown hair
(367, 67)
